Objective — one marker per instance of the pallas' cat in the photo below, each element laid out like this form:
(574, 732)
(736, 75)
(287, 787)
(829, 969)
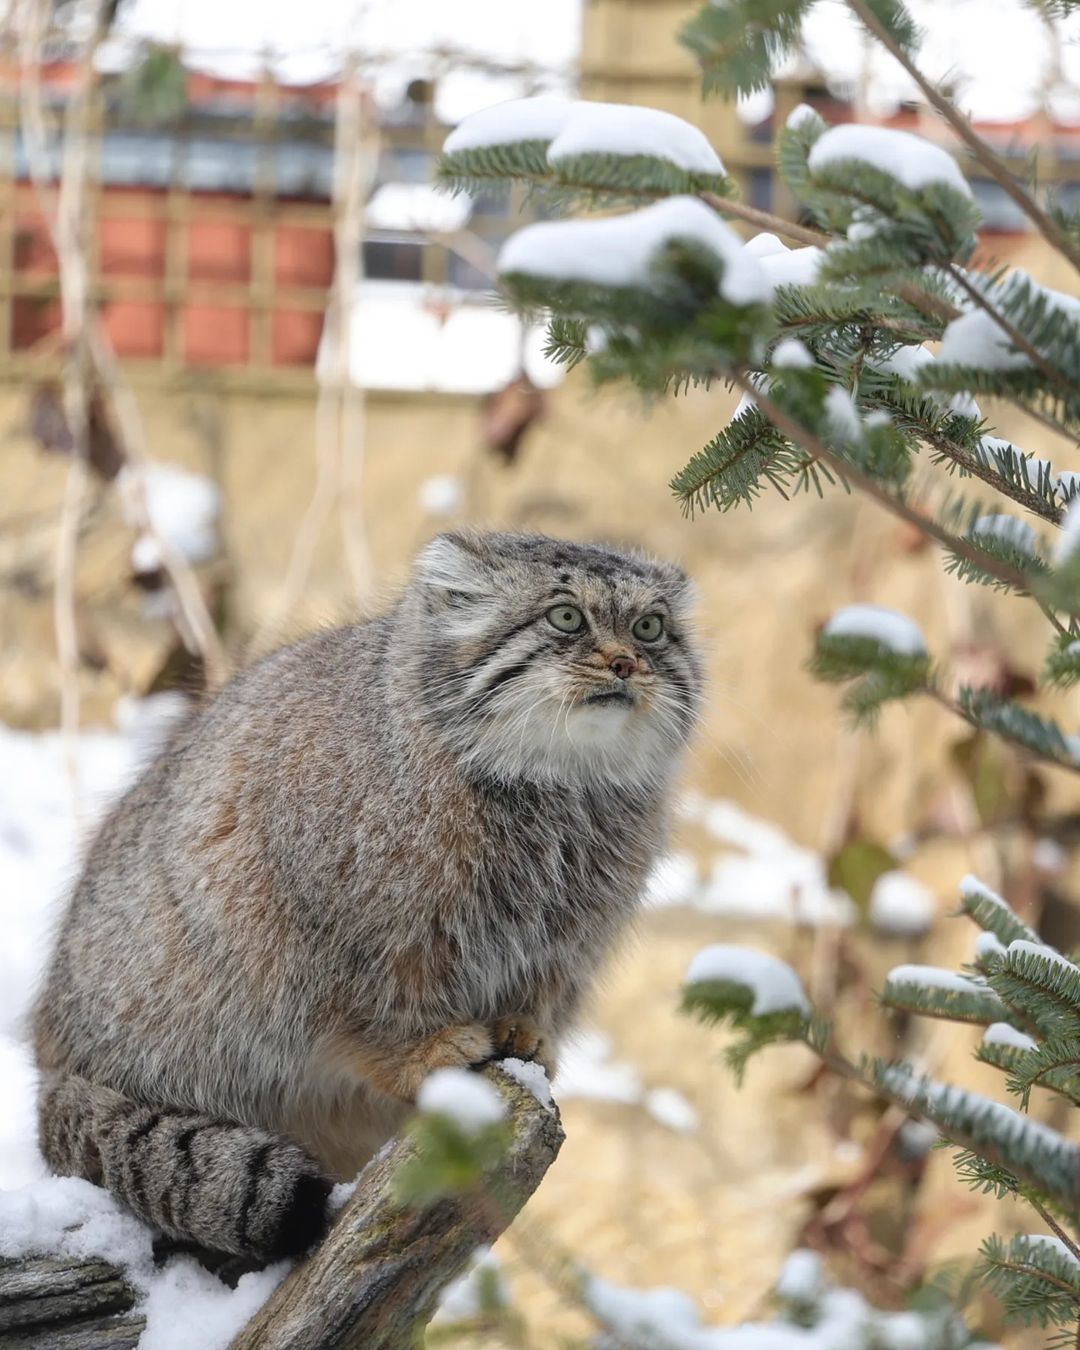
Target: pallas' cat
(394, 846)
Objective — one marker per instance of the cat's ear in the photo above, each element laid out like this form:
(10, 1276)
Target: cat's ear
(454, 565)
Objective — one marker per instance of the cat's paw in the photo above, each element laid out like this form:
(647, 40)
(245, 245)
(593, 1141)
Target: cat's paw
(523, 1038)
(456, 1047)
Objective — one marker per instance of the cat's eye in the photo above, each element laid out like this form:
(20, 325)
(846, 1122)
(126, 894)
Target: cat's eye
(566, 618)
(649, 627)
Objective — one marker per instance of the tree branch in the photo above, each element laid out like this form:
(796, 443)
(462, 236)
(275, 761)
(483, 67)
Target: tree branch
(967, 133)
(375, 1279)
(801, 436)
(373, 1282)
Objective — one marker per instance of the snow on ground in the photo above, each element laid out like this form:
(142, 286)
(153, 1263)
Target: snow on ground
(39, 844)
(759, 873)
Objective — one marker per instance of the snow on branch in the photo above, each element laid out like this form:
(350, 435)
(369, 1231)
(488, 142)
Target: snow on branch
(934, 992)
(1031, 1152)
(582, 146)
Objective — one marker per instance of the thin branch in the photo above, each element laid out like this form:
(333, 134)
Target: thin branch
(977, 468)
(765, 220)
(1011, 331)
(940, 697)
(963, 128)
(801, 436)
(197, 629)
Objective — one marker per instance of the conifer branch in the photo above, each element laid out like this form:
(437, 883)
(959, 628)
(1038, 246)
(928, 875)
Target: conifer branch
(1012, 332)
(1050, 231)
(802, 436)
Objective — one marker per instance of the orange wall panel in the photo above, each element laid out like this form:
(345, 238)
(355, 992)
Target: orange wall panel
(215, 335)
(295, 337)
(32, 319)
(219, 251)
(131, 248)
(34, 253)
(135, 328)
(303, 256)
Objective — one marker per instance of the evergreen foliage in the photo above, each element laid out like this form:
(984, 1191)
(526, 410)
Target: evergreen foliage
(841, 393)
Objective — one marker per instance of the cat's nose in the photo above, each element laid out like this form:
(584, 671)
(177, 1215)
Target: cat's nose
(622, 666)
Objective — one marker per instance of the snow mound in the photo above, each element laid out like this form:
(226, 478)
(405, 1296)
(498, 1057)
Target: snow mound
(1003, 1033)
(901, 154)
(623, 129)
(618, 251)
(463, 1097)
(518, 119)
(888, 626)
(775, 986)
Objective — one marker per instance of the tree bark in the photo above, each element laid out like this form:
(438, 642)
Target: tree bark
(64, 1303)
(374, 1281)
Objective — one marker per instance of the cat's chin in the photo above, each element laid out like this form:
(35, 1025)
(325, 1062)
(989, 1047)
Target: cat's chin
(599, 721)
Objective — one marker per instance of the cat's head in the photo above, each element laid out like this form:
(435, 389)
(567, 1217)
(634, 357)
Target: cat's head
(549, 660)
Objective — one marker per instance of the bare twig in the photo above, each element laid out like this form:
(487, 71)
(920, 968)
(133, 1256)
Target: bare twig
(340, 410)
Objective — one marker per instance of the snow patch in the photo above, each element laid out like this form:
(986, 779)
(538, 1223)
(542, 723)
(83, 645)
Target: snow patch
(441, 495)
(671, 1108)
(887, 626)
(775, 986)
(586, 1069)
(793, 267)
(842, 415)
(802, 1277)
(618, 251)
(902, 155)
(183, 507)
(627, 130)
(463, 1097)
(518, 119)
(934, 977)
(1006, 529)
(791, 354)
(1004, 1033)
(900, 905)
(1067, 543)
(531, 1076)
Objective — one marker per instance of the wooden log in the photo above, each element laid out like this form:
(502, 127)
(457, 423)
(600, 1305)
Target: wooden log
(372, 1283)
(375, 1279)
(66, 1303)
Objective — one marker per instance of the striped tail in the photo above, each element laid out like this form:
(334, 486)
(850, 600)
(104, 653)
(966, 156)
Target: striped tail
(227, 1187)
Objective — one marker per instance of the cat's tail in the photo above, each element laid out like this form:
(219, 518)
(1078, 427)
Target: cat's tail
(227, 1187)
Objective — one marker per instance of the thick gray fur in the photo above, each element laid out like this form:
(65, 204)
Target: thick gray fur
(392, 846)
